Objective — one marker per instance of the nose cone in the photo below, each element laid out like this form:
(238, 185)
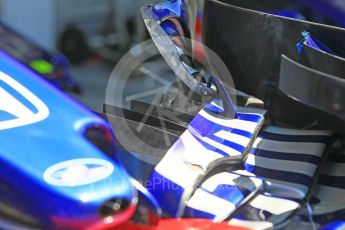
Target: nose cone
(87, 192)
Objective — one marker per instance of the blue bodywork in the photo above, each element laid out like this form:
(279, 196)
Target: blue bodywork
(29, 149)
(336, 225)
(177, 9)
(239, 169)
(329, 12)
(325, 11)
(308, 40)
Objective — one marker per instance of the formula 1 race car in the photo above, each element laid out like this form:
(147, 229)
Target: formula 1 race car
(65, 174)
(274, 160)
(62, 171)
(55, 68)
(276, 163)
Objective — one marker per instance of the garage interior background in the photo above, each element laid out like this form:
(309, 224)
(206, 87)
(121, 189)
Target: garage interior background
(94, 35)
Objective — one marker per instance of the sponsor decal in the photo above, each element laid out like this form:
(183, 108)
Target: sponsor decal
(78, 172)
(18, 106)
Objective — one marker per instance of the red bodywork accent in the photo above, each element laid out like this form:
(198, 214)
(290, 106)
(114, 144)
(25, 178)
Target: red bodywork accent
(105, 223)
(199, 51)
(181, 224)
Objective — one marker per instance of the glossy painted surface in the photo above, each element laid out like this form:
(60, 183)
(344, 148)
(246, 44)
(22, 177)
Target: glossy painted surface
(284, 160)
(337, 225)
(45, 131)
(308, 40)
(183, 224)
(174, 8)
(207, 140)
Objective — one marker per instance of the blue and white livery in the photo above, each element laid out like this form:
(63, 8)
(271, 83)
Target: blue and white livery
(52, 170)
(209, 141)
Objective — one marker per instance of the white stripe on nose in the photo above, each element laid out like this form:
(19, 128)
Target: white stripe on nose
(12, 106)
